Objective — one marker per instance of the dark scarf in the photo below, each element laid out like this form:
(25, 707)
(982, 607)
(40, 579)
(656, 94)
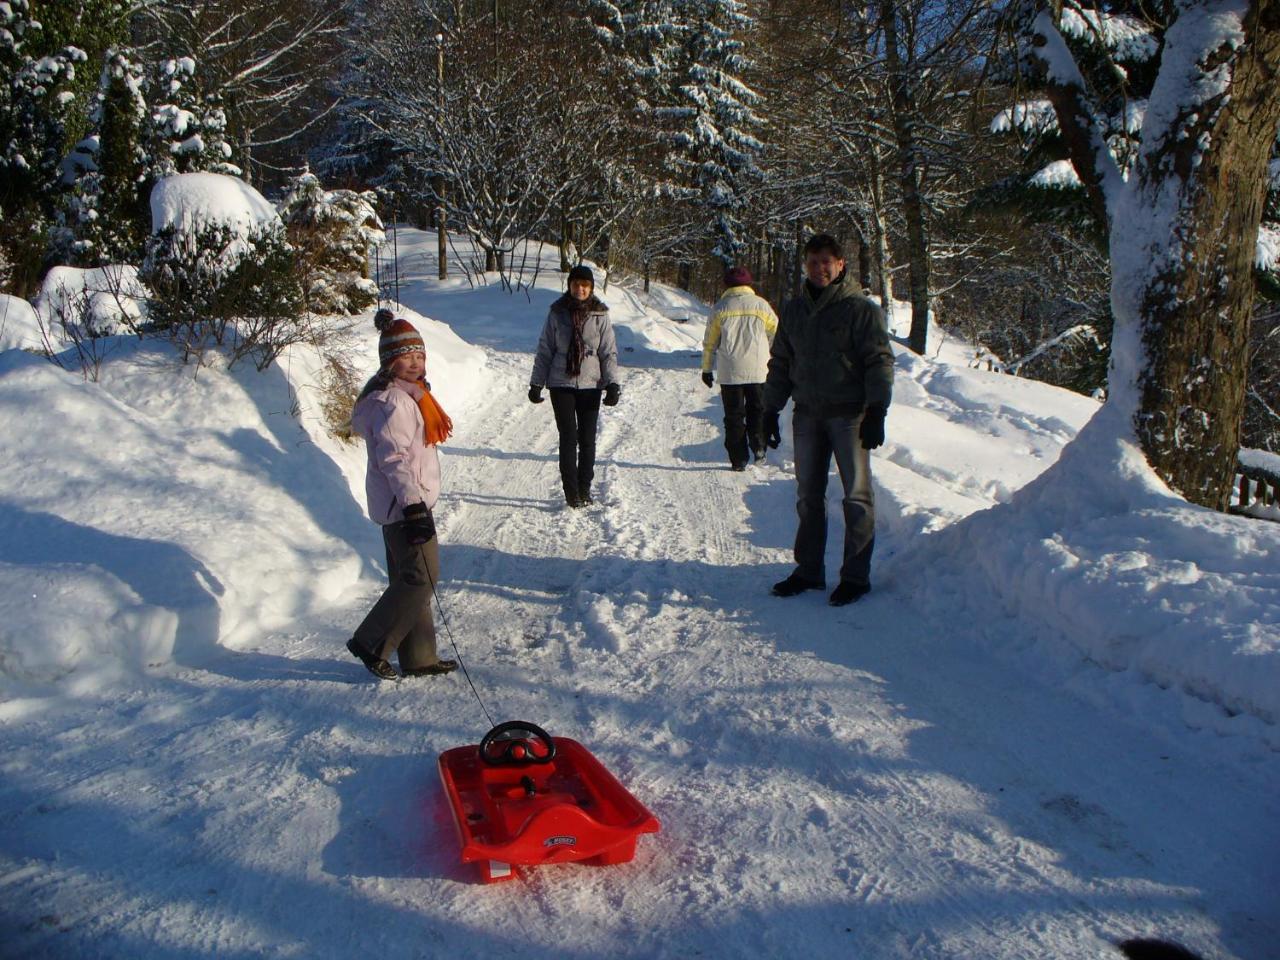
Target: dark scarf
(578, 311)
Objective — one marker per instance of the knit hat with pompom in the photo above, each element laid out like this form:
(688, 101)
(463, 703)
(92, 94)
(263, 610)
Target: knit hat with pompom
(398, 337)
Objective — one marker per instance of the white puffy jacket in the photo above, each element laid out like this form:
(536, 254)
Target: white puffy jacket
(739, 332)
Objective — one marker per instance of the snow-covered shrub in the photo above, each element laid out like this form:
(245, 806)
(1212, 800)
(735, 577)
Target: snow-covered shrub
(80, 312)
(19, 325)
(220, 286)
(221, 270)
(334, 232)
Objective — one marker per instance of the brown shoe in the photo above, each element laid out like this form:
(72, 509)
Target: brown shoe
(375, 665)
(434, 669)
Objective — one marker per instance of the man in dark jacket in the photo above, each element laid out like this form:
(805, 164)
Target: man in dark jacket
(831, 355)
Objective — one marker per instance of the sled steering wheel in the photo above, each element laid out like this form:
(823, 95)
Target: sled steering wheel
(516, 743)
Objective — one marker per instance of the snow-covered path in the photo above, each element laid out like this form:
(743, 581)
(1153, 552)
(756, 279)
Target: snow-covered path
(860, 782)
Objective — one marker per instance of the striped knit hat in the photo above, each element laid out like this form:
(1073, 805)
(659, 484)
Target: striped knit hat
(398, 337)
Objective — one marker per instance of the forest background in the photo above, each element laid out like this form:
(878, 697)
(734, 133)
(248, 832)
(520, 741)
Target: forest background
(670, 138)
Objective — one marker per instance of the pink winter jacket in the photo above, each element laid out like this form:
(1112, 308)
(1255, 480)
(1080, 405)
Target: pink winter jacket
(402, 469)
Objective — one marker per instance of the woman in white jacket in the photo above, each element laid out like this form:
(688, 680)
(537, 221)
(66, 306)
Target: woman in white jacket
(738, 336)
(401, 424)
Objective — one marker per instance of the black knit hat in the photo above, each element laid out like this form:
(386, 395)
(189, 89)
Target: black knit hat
(582, 272)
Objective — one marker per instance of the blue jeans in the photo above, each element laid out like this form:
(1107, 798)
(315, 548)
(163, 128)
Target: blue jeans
(816, 441)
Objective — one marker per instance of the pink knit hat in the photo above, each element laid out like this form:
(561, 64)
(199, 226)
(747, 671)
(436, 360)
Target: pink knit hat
(399, 337)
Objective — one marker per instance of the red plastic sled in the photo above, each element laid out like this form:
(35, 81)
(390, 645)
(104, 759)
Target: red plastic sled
(523, 797)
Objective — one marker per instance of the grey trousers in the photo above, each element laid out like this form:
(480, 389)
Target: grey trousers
(816, 441)
(400, 622)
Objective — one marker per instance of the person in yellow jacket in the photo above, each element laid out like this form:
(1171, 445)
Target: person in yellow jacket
(738, 336)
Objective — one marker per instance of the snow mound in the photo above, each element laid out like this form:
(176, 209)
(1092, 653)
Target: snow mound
(102, 300)
(184, 512)
(189, 202)
(19, 325)
(1099, 559)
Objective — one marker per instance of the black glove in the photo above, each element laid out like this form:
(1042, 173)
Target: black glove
(535, 394)
(708, 378)
(772, 429)
(419, 525)
(872, 430)
(611, 395)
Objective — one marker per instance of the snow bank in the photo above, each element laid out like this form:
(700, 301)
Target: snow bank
(106, 300)
(155, 514)
(19, 325)
(1099, 560)
(190, 201)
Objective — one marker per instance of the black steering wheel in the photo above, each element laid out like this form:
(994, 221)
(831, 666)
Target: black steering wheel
(517, 743)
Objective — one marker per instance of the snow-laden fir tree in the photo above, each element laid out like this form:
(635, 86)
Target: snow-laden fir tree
(1181, 193)
(104, 217)
(687, 58)
(335, 232)
(188, 128)
(36, 101)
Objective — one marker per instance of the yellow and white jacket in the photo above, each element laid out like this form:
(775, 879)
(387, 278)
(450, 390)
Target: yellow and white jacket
(740, 330)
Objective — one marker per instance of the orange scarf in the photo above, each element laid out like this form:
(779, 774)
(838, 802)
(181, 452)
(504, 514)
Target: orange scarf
(436, 423)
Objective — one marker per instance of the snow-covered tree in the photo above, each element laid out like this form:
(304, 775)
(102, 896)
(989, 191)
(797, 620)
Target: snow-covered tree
(266, 66)
(1181, 198)
(334, 232)
(188, 129)
(687, 59)
(104, 210)
(36, 97)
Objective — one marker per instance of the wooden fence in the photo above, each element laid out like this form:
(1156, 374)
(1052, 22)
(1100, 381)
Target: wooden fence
(1255, 487)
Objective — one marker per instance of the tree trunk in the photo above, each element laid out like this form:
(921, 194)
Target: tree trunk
(566, 240)
(881, 233)
(1195, 306)
(442, 224)
(864, 262)
(904, 118)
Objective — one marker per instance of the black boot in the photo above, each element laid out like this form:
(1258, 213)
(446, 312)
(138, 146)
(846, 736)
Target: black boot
(795, 584)
(846, 593)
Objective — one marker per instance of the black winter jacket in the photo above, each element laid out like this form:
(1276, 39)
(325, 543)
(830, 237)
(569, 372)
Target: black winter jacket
(832, 354)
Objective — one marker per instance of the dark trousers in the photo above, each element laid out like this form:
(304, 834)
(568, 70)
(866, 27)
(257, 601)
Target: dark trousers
(577, 414)
(743, 419)
(400, 622)
(817, 440)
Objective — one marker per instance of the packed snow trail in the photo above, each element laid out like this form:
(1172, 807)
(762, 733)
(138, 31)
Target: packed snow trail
(858, 782)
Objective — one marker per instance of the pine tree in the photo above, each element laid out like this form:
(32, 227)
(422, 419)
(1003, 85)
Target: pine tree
(334, 232)
(104, 216)
(686, 59)
(187, 128)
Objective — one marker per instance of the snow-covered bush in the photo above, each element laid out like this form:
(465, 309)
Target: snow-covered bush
(80, 312)
(19, 326)
(334, 232)
(221, 270)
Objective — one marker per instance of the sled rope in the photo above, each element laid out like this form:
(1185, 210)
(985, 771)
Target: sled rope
(449, 633)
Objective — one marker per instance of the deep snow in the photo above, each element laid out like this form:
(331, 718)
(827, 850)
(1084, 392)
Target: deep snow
(1051, 725)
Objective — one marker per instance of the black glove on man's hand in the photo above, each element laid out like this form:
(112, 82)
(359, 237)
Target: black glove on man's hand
(611, 394)
(872, 430)
(708, 378)
(772, 429)
(535, 394)
(419, 525)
